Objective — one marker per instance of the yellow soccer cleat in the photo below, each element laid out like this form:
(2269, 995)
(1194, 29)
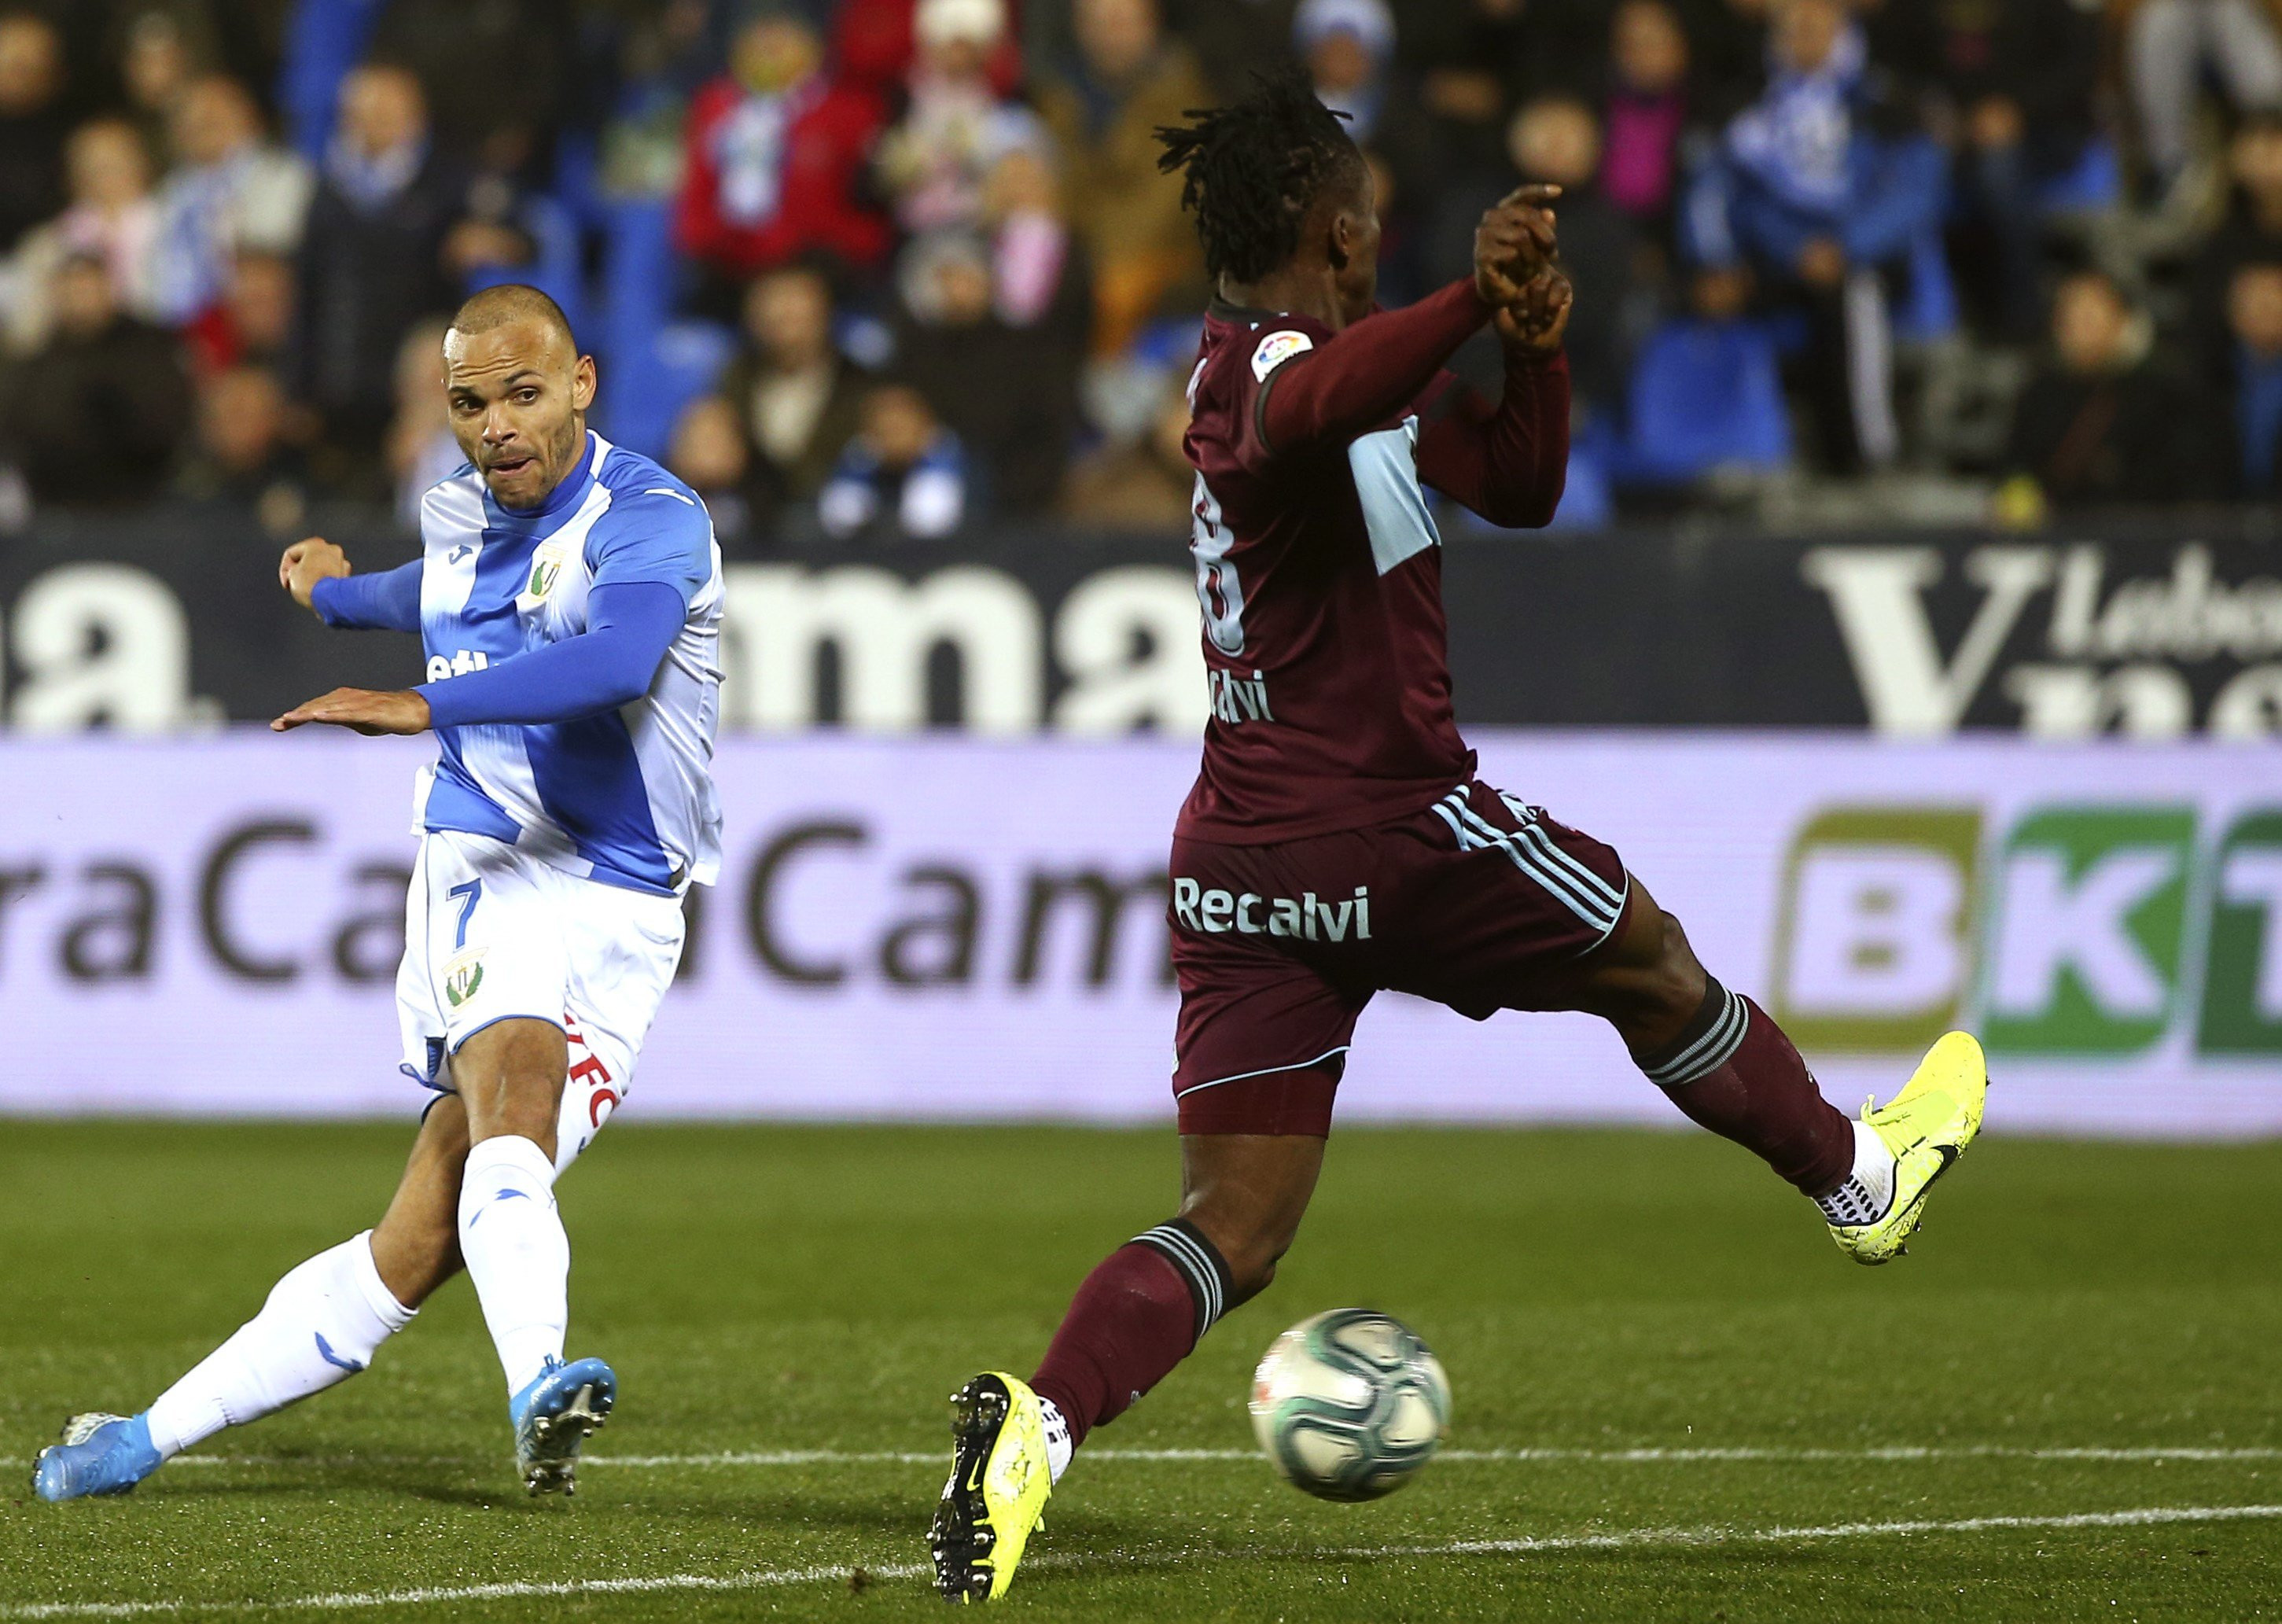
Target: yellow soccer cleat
(999, 1484)
(1928, 1126)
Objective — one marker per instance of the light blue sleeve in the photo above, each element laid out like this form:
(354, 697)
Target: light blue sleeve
(659, 535)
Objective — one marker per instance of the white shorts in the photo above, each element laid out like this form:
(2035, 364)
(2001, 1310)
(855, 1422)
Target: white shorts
(494, 934)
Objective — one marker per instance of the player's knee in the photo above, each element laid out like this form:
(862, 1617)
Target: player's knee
(1650, 984)
(1675, 982)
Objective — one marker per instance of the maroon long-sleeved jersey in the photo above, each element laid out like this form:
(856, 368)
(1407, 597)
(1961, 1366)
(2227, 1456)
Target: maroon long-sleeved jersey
(1318, 564)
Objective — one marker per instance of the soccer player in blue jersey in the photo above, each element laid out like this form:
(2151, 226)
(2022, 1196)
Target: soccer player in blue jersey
(569, 593)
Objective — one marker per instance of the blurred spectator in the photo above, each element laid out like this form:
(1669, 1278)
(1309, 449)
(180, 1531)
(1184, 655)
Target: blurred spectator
(33, 125)
(111, 215)
(1144, 483)
(1707, 396)
(252, 320)
(1647, 110)
(1727, 54)
(2100, 422)
(229, 191)
(1009, 392)
(2254, 312)
(934, 161)
(2015, 79)
(1826, 205)
(1476, 60)
(798, 398)
(1231, 40)
(777, 149)
(421, 449)
(371, 259)
(902, 476)
(96, 414)
(1348, 47)
(710, 453)
(162, 51)
(1127, 80)
(2174, 47)
(658, 61)
(242, 453)
(1555, 139)
(1038, 270)
(494, 75)
(2252, 229)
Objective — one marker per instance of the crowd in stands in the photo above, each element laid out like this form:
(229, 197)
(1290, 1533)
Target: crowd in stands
(868, 270)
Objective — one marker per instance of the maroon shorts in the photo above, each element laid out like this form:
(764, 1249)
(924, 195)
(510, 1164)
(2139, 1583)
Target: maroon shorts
(1479, 902)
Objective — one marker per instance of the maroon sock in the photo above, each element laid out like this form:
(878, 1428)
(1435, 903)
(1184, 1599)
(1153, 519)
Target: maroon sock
(1139, 1313)
(1733, 1071)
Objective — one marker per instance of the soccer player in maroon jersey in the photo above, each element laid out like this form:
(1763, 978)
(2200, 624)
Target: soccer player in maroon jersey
(1336, 840)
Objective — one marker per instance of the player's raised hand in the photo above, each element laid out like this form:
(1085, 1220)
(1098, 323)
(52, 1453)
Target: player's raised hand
(307, 562)
(1513, 242)
(1538, 319)
(360, 709)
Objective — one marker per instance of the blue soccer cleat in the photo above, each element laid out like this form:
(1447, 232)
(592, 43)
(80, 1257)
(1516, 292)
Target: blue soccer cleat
(560, 1409)
(99, 1455)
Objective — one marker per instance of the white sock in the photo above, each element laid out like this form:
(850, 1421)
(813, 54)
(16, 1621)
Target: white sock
(1869, 1189)
(519, 1256)
(322, 1324)
(1058, 1447)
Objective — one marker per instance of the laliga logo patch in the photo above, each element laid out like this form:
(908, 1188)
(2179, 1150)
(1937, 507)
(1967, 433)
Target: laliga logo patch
(463, 977)
(1276, 349)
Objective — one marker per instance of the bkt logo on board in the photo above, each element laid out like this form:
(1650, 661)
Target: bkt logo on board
(2080, 930)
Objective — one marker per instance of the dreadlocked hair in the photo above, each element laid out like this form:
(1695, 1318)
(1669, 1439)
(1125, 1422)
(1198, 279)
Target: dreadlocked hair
(1251, 170)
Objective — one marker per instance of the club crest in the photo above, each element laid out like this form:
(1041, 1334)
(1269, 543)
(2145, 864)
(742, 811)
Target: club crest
(463, 977)
(546, 573)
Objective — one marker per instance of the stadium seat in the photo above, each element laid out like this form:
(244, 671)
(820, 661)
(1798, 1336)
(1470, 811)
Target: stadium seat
(1927, 310)
(2095, 182)
(557, 270)
(323, 40)
(1588, 497)
(644, 390)
(1705, 395)
(638, 282)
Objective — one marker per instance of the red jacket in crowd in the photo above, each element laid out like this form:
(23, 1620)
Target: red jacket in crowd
(770, 178)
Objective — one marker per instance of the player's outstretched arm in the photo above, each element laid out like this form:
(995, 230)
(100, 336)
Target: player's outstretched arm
(1510, 463)
(318, 576)
(629, 627)
(1332, 392)
(629, 624)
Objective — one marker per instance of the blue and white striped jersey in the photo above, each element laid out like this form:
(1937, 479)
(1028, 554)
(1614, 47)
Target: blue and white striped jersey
(625, 797)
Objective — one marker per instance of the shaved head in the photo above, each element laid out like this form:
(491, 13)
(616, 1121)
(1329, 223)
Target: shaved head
(511, 302)
(517, 391)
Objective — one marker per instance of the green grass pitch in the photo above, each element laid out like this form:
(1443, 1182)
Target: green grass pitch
(1674, 1399)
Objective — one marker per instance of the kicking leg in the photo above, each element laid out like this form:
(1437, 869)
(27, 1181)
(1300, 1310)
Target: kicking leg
(323, 1323)
(1148, 1304)
(511, 1075)
(1141, 1311)
(1729, 1068)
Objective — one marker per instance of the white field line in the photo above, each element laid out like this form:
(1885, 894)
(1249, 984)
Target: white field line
(1639, 1457)
(755, 1579)
(1676, 1455)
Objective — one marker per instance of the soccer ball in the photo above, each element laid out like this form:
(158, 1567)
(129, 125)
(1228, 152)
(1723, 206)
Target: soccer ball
(1349, 1404)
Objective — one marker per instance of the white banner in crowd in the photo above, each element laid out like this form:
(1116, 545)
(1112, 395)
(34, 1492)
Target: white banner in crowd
(940, 929)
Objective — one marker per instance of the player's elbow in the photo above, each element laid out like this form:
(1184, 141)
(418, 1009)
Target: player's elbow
(1525, 507)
